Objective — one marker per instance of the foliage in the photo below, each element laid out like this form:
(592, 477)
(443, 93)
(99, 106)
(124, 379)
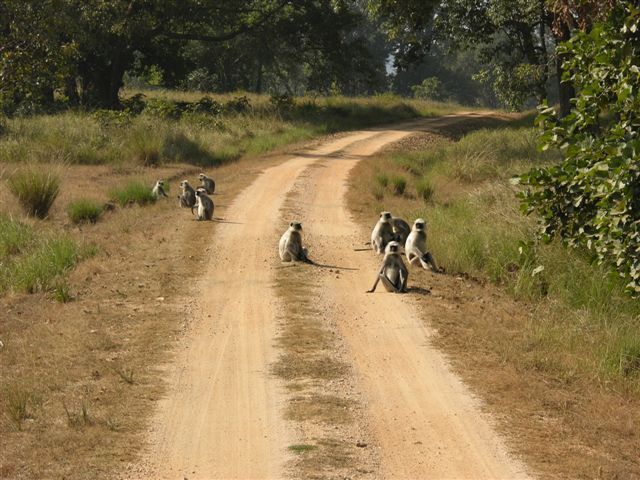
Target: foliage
(133, 193)
(430, 89)
(84, 211)
(592, 198)
(36, 190)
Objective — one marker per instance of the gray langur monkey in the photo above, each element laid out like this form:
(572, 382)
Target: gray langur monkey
(393, 272)
(382, 233)
(158, 189)
(204, 205)
(290, 245)
(401, 230)
(207, 183)
(416, 246)
(188, 196)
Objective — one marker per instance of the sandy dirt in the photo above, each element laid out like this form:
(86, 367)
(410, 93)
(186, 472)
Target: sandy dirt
(222, 415)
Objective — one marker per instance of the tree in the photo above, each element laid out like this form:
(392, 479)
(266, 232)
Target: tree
(592, 198)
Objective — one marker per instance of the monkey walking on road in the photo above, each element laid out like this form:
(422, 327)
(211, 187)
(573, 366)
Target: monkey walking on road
(393, 272)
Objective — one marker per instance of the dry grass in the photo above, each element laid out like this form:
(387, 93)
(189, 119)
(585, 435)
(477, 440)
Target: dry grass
(79, 379)
(538, 362)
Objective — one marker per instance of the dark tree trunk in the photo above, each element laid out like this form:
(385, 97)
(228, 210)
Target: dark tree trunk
(566, 90)
(71, 90)
(259, 80)
(544, 52)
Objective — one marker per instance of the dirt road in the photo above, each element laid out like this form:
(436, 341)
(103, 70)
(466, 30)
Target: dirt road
(222, 416)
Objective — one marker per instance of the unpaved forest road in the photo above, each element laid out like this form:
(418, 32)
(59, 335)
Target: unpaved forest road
(222, 416)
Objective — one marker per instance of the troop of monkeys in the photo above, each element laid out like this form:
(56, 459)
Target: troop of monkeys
(387, 237)
(196, 199)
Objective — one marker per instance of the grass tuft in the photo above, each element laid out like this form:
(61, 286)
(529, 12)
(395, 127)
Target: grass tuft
(84, 211)
(133, 193)
(399, 184)
(301, 448)
(17, 406)
(425, 189)
(35, 190)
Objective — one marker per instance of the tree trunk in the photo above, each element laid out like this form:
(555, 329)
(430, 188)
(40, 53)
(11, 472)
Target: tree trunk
(566, 90)
(544, 52)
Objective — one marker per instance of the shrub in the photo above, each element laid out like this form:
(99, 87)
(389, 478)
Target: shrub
(238, 105)
(424, 188)
(84, 211)
(399, 184)
(15, 237)
(382, 180)
(133, 193)
(35, 190)
(282, 102)
(37, 271)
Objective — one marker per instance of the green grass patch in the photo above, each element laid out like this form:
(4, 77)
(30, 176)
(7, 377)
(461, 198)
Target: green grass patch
(35, 189)
(301, 448)
(398, 184)
(133, 193)
(40, 263)
(84, 211)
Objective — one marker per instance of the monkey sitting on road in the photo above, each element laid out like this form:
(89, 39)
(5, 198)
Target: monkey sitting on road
(401, 230)
(393, 273)
(204, 205)
(188, 196)
(416, 246)
(382, 233)
(158, 189)
(207, 183)
(290, 246)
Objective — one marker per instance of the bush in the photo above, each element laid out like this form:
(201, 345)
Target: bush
(35, 190)
(15, 237)
(133, 193)
(238, 105)
(399, 184)
(84, 211)
(382, 180)
(37, 271)
(424, 189)
(282, 103)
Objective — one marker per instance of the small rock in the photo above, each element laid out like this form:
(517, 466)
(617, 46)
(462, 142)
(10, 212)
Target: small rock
(361, 444)
(160, 299)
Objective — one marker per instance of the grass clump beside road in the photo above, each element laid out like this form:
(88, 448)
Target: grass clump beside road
(167, 127)
(84, 211)
(133, 193)
(35, 189)
(31, 261)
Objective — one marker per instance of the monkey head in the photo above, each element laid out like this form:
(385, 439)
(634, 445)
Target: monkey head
(393, 247)
(385, 216)
(296, 226)
(420, 225)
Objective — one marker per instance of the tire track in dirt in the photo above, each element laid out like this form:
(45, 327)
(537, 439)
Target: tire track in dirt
(426, 422)
(221, 417)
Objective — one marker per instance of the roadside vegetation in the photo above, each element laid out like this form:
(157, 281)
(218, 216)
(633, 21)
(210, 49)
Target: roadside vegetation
(173, 127)
(587, 325)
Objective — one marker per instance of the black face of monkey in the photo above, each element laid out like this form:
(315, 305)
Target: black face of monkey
(393, 247)
(385, 216)
(296, 225)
